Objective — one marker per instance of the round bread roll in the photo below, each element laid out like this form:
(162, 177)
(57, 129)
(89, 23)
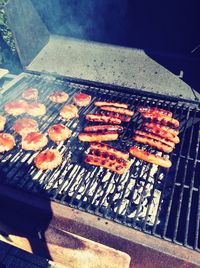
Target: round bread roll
(48, 159)
(22, 126)
(82, 99)
(30, 94)
(2, 122)
(59, 96)
(59, 133)
(34, 141)
(69, 111)
(7, 142)
(16, 107)
(36, 109)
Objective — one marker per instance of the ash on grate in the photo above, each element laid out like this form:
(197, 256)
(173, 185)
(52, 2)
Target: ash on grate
(126, 195)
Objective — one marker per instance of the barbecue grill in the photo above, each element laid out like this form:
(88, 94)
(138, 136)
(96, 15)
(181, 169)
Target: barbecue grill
(163, 204)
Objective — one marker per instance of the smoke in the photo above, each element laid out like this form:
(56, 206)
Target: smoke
(141, 24)
(102, 21)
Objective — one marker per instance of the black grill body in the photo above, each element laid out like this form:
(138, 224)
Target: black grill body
(161, 202)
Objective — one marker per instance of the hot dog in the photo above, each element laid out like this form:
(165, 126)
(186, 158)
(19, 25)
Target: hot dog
(108, 149)
(155, 137)
(102, 118)
(114, 165)
(161, 119)
(164, 134)
(154, 110)
(91, 137)
(122, 117)
(103, 128)
(158, 127)
(151, 158)
(119, 110)
(154, 143)
(109, 103)
(109, 156)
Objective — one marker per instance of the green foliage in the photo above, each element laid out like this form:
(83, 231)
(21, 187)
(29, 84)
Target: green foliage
(4, 29)
(8, 54)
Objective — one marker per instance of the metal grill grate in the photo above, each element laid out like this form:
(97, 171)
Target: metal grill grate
(164, 203)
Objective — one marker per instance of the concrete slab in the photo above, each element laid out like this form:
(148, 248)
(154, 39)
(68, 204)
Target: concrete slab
(109, 64)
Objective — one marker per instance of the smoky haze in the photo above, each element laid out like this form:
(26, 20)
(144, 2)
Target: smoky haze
(170, 26)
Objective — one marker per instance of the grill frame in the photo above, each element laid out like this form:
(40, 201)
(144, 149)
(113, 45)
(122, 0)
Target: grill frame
(130, 91)
(154, 251)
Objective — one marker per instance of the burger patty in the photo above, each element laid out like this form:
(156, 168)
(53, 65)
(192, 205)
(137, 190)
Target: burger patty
(22, 126)
(34, 141)
(59, 132)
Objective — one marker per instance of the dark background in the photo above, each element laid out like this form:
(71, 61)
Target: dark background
(168, 31)
(162, 26)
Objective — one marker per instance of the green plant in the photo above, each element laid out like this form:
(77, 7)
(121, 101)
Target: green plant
(8, 55)
(5, 33)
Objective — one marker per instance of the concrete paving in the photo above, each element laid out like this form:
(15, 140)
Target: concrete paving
(109, 64)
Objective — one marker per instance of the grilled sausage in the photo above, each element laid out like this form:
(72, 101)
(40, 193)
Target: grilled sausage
(151, 158)
(109, 156)
(164, 134)
(158, 127)
(117, 165)
(154, 110)
(103, 128)
(155, 137)
(119, 110)
(109, 103)
(103, 118)
(122, 117)
(91, 137)
(161, 119)
(102, 147)
(154, 143)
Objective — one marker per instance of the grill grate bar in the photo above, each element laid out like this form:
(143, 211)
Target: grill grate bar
(83, 176)
(175, 176)
(147, 173)
(158, 174)
(89, 186)
(197, 240)
(182, 190)
(164, 186)
(191, 189)
(109, 194)
(76, 172)
(118, 181)
(125, 189)
(102, 182)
